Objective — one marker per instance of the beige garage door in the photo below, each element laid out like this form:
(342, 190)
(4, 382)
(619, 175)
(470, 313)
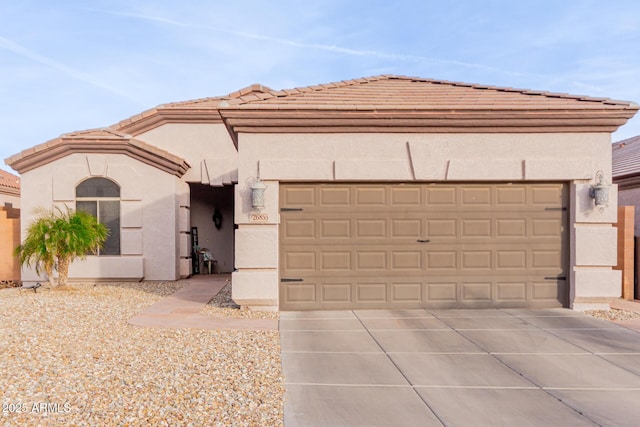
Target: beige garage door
(358, 246)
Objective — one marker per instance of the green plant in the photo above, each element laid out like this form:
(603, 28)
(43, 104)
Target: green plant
(56, 238)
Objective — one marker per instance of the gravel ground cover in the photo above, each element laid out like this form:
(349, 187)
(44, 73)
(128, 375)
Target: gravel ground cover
(613, 314)
(223, 307)
(70, 358)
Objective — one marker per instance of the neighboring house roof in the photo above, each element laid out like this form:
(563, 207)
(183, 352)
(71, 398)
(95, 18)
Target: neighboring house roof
(385, 103)
(625, 156)
(97, 141)
(9, 183)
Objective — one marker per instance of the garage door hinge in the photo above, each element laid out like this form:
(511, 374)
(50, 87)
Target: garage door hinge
(291, 209)
(555, 209)
(284, 279)
(555, 278)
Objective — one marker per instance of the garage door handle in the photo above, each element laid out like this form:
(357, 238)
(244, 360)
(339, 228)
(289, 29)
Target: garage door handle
(423, 241)
(291, 280)
(555, 278)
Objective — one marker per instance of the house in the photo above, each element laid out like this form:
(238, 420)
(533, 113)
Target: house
(379, 192)
(626, 174)
(9, 189)
(9, 227)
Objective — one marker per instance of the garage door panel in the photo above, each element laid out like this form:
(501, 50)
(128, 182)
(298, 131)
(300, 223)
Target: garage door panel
(300, 229)
(547, 260)
(475, 260)
(511, 259)
(441, 227)
(551, 195)
(511, 292)
(443, 292)
(441, 196)
(546, 227)
(299, 196)
(423, 245)
(407, 196)
(371, 260)
(476, 228)
(407, 260)
(511, 227)
(475, 195)
(371, 292)
(339, 261)
(476, 292)
(335, 229)
(426, 259)
(370, 228)
(456, 292)
(406, 228)
(335, 196)
(511, 195)
(332, 293)
(300, 261)
(371, 196)
(442, 260)
(549, 290)
(299, 293)
(407, 293)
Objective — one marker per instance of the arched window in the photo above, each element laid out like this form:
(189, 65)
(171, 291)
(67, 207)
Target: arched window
(101, 198)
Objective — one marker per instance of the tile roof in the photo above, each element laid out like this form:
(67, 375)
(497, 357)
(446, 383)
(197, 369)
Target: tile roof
(255, 90)
(203, 110)
(390, 103)
(394, 92)
(9, 180)
(385, 103)
(625, 156)
(102, 140)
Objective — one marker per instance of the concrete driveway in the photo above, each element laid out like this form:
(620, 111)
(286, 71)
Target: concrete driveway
(458, 368)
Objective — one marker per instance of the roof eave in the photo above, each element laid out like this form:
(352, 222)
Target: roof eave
(157, 117)
(261, 120)
(627, 181)
(65, 146)
(9, 191)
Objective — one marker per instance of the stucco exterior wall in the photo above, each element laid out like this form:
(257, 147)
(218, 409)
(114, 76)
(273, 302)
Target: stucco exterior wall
(9, 240)
(631, 197)
(9, 198)
(149, 214)
(208, 148)
(572, 158)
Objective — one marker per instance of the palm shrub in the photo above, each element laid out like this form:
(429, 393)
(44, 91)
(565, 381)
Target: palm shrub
(56, 238)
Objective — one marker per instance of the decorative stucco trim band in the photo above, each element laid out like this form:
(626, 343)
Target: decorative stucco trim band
(64, 146)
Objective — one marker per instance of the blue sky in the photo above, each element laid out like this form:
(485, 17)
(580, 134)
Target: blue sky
(70, 65)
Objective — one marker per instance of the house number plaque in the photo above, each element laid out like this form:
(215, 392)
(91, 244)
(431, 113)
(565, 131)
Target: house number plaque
(259, 217)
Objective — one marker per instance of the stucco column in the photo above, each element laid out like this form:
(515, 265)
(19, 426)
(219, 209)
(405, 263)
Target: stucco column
(255, 281)
(593, 249)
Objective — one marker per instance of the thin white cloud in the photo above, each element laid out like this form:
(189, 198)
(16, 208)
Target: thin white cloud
(316, 46)
(18, 49)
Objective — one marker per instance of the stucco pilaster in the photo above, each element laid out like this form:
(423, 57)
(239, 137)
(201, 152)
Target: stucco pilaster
(596, 245)
(593, 249)
(256, 288)
(257, 246)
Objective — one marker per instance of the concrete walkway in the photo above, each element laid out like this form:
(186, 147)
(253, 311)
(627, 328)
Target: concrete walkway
(182, 309)
(458, 368)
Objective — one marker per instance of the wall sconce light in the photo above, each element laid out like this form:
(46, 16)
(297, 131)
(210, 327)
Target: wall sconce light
(257, 194)
(217, 218)
(600, 192)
